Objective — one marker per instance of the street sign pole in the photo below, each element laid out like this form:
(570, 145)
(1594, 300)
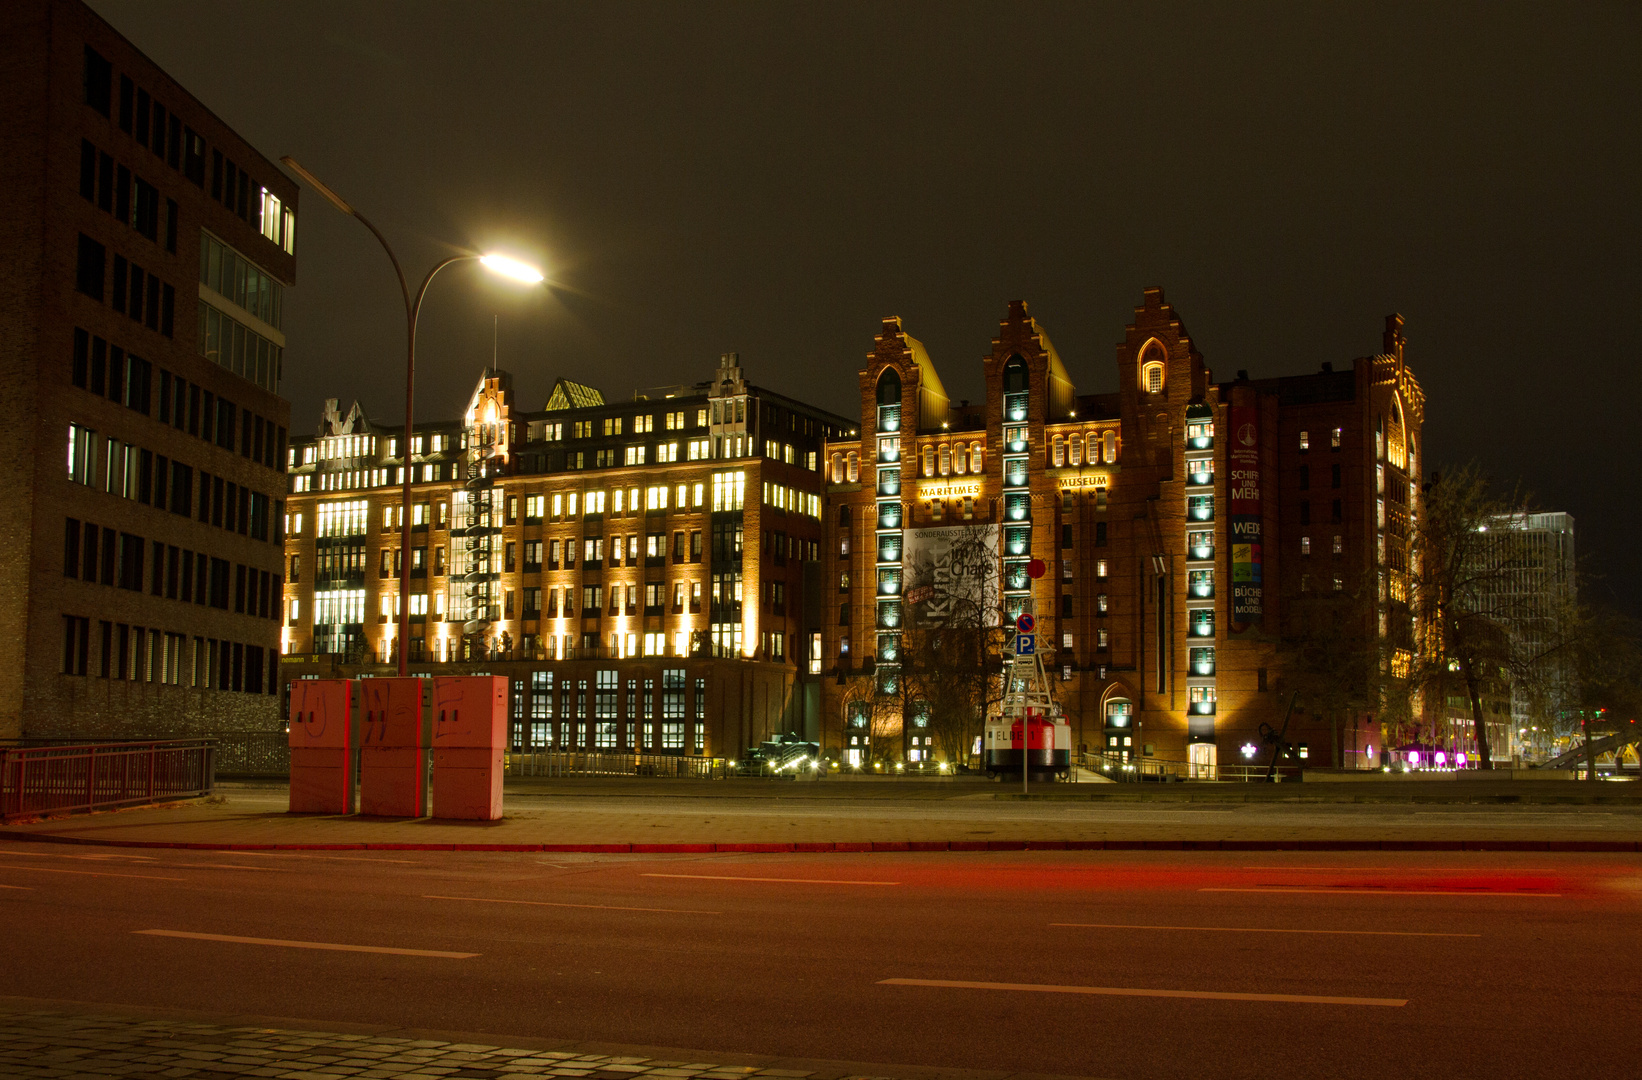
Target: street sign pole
(1027, 617)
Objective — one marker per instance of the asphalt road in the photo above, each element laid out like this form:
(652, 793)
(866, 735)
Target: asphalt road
(1090, 964)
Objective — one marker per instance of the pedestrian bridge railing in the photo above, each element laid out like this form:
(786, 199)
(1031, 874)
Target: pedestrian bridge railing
(65, 779)
(612, 763)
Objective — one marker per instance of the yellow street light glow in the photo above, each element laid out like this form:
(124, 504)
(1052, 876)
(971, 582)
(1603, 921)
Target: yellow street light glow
(511, 268)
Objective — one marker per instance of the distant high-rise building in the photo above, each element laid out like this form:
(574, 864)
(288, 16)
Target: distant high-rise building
(1531, 583)
(148, 247)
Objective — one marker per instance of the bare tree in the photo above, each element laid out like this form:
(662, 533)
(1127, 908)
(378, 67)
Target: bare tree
(1334, 660)
(952, 647)
(1481, 625)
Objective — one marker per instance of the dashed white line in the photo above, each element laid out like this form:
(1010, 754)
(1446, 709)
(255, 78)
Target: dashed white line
(1136, 991)
(1388, 892)
(328, 946)
(781, 880)
(550, 903)
(86, 873)
(1261, 930)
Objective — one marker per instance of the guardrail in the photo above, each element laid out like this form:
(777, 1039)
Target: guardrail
(613, 763)
(1152, 769)
(65, 779)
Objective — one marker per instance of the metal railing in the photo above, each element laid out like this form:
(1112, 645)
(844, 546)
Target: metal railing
(65, 779)
(611, 763)
(1152, 769)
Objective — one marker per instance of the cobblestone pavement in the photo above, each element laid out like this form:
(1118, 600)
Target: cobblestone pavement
(74, 1045)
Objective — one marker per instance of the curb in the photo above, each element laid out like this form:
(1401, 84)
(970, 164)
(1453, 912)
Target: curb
(1628, 846)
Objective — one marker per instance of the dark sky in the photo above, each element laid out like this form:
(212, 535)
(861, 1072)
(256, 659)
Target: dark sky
(773, 179)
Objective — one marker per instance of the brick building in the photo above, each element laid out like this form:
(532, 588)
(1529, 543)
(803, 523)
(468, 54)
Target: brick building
(148, 247)
(643, 571)
(1184, 521)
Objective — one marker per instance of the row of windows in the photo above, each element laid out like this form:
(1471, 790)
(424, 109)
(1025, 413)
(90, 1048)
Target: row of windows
(133, 292)
(229, 343)
(122, 560)
(1334, 438)
(143, 118)
(667, 453)
(1090, 448)
(117, 190)
(148, 122)
(108, 370)
(1339, 545)
(153, 480)
(145, 655)
(540, 736)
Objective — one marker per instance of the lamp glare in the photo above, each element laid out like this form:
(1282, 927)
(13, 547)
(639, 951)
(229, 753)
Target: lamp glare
(509, 267)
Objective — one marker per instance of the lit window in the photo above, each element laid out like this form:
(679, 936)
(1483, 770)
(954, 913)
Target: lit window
(1339, 544)
(1305, 545)
(1334, 438)
(1100, 568)
(1305, 441)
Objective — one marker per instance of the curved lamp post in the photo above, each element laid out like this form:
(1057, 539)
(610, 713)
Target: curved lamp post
(501, 265)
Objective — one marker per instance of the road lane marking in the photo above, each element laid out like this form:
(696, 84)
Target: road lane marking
(86, 873)
(1261, 930)
(782, 880)
(1417, 869)
(1135, 991)
(228, 866)
(331, 858)
(325, 945)
(59, 855)
(19, 888)
(1388, 892)
(549, 903)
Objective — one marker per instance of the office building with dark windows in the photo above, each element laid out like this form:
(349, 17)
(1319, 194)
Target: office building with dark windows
(1187, 526)
(148, 248)
(646, 572)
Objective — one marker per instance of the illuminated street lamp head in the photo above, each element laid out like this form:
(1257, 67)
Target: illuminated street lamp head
(314, 182)
(511, 268)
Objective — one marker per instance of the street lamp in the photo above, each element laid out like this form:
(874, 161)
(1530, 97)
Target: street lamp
(501, 265)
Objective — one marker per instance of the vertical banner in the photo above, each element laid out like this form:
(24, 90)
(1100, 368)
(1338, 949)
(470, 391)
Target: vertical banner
(1244, 521)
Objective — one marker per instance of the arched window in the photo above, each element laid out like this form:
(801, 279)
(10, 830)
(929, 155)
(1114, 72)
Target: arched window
(1151, 367)
(1074, 450)
(946, 459)
(1093, 455)
(1016, 379)
(837, 468)
(975, 457)
(852, 471)
(1110, 452)
(929, 461)
(1058, 450)
(958, 456)
(889, 388)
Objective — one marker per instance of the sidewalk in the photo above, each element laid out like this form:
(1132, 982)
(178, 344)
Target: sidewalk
(660, 816)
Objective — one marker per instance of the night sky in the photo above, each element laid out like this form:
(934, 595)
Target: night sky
(775, 179)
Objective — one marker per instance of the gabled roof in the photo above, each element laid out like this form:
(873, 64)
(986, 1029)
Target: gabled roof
(572, 395)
